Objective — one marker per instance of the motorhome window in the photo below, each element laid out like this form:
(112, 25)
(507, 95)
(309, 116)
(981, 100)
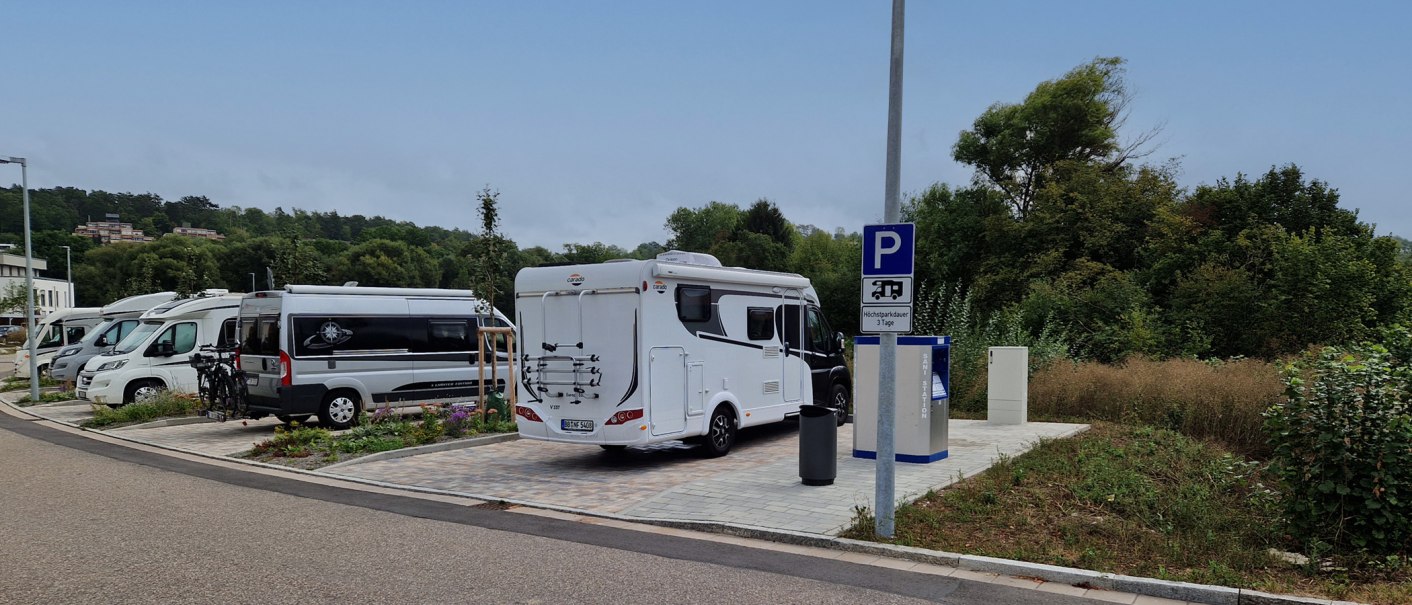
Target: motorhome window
(269, 335)
(182, 337)
(502, 344)
(135, 339)
(819, 339)
(227, 335)
(120, 330)
(75, 334)
(52, 337)
(760, 323)
(694, 303)
(323, 335)
(791, 326)
(449, 336)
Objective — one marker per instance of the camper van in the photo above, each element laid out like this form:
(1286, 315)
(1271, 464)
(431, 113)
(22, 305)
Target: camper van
(61, 328)
(156, 356)
(332, 351)
(635, 352)
(119, 318)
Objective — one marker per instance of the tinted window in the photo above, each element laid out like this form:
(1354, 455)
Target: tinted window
(790, 326)
(446, 335)
(75, 334)
(694, 303)
(259, 335)
(314, 335)
(760, 323)
(819, 335)
(227, 335)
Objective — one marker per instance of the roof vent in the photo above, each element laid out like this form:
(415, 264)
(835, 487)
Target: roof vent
(689, 258)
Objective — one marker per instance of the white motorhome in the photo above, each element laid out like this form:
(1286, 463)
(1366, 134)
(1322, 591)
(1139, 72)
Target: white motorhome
(119, 318)
(156, 356)
(635, 352)
(60, 329)
(333, 351)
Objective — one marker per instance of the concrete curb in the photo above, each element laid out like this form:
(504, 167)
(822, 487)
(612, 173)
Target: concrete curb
(1183, 591)
(156, 424)
(425, 449)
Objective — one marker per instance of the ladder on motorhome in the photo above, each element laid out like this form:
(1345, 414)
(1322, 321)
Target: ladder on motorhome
(565, 370)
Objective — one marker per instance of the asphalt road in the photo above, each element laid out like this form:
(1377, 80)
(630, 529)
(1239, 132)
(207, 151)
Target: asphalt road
(84, 521)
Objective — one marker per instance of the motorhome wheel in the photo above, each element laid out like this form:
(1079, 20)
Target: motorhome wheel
(339, 410)
(720, 434)
(287, 418)
(839, 400)
(143, 390)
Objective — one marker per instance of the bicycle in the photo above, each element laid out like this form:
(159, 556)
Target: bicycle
(220, 385)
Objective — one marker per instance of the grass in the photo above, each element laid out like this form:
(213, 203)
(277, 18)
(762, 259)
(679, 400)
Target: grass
(163, 405)
(18, 384)
(312, 447)
(1133, 500)
(48, 398)
(1210, 400)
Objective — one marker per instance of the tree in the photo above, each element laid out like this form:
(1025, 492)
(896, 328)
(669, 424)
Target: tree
(1076, 118)
(489, 252)
(698, 229)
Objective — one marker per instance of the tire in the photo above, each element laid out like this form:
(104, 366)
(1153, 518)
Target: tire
(292, 418)
(720, 433)
(841, 402)
(339, 409)
(139, 391)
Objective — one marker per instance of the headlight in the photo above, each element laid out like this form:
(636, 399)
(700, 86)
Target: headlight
(70, 351)
(112, 365)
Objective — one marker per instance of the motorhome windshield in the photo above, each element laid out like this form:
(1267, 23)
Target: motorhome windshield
(119, 331)
(135, 338)
(52, 336)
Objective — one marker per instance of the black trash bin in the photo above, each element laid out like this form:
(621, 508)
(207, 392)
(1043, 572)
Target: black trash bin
(818, 445)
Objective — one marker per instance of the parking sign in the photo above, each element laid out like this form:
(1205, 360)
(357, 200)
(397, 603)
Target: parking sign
(887, 278)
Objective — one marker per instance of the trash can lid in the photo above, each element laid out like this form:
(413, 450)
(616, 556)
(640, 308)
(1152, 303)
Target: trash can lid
(814, 411)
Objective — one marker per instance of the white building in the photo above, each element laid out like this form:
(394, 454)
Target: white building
(49, 294)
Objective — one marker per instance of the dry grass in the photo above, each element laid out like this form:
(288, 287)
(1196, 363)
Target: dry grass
(1216, 401)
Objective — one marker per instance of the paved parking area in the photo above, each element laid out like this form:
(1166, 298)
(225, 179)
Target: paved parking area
(757, 485)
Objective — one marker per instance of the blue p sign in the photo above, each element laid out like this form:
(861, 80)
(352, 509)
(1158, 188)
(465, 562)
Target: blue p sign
(888, 249)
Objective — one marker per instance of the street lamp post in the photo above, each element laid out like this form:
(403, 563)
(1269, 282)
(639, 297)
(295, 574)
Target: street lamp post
(69, 264)
(29, 282)
(252, 282)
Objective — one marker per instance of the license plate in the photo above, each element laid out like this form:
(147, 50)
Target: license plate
(217, 416)
(83, 394)
(252, 380)
(576, 425)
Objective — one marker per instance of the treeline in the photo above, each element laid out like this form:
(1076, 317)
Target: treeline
(1063, 233)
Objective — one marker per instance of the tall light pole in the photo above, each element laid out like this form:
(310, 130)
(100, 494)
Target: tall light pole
(69, 263)
(29, 282)
(252, 282)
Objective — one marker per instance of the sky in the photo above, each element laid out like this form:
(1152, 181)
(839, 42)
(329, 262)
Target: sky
(595, 120)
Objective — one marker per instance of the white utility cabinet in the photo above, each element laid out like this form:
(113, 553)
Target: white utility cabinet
(1008, 385)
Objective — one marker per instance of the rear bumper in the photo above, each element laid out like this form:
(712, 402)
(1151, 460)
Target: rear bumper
(291, 400)
(631, 433)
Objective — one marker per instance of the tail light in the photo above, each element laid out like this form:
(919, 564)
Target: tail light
(236, 360)
(286, 370)
(624, 417)
(527, 414)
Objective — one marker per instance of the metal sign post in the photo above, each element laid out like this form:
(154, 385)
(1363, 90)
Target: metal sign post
(884, 489)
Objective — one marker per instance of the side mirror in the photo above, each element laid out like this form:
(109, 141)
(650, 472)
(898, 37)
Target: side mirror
(164, 349)
(102, 341)
(839, 341)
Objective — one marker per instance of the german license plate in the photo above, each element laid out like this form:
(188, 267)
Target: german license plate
(576, 425)
(252, 380)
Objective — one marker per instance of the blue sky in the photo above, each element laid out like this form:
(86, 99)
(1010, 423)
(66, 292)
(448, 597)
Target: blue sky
(596, 120)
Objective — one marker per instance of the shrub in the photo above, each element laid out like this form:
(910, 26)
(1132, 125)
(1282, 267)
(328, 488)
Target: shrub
(1342, 443)
(165, 404)
(293, 442)
(1215, 400)
(947, 311)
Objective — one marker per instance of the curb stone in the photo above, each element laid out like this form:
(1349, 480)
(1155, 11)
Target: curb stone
(1185, 591)
(155, 424)
(425, 449)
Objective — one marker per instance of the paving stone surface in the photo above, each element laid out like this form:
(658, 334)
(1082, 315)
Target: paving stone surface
(756, 485)
(217, 438)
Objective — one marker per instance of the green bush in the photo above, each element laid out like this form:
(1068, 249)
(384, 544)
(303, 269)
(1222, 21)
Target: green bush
(165, 404)
(1342, 443)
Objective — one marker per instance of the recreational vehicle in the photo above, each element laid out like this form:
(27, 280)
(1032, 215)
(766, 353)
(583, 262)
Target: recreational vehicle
(332, 351)
(61, 328)
(156, 356)
(119, 318)
(635, 352)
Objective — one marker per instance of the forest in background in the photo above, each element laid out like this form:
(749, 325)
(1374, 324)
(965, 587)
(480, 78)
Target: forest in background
(1064, 230)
